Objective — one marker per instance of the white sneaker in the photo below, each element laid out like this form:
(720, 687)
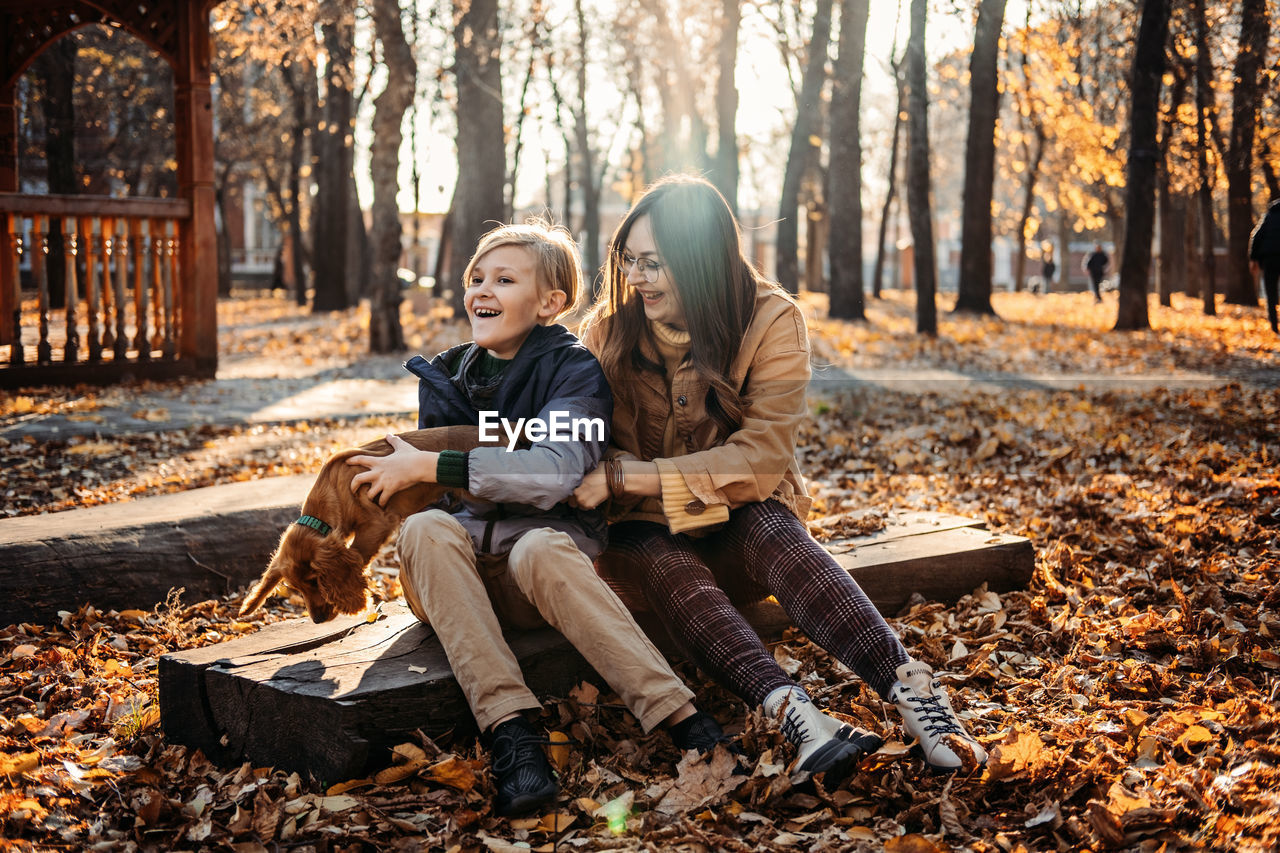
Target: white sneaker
(928, 717)
(823, 743)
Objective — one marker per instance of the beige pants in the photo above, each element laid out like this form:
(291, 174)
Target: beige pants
(546, 580)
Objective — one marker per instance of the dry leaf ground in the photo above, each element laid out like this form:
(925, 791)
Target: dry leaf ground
(1130, 697)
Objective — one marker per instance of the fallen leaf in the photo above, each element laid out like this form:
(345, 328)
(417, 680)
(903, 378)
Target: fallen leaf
(701, 780)
(911, 843)
(558, 750)
(1018, 753)
(457, 773)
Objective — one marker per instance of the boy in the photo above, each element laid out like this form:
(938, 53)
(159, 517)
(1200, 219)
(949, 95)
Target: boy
(516, 554)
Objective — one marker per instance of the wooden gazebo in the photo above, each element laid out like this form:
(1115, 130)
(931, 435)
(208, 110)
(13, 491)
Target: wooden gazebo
(140, 274)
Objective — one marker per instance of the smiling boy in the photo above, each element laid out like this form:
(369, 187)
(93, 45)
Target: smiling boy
(515, 554)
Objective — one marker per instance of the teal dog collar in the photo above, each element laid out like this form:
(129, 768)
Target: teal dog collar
(315, 524)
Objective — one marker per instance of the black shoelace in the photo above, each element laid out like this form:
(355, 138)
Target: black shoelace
(518, 751)
(938, 720)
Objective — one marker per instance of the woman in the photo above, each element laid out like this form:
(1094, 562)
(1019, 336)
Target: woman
(709, 365)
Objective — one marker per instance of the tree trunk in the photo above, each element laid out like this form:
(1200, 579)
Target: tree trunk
(974, 291)
(808, 106)
(522, 112)
(55, 68)
(1140, 171)
(1172, 272)
(586, 163)
(1207, 267)
(359, 250)
(1173, 239)
(223, 241)
(300, 88)
(1190, 250)
(725, 175)
(1028, 202)
(919, 211)
(891, 190)
(1246, 97)
(385, 332)
(478, 198)
(333, 164)
(844, 175)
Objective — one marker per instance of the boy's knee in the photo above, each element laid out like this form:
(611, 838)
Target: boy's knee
(433, 528)
(544, 553)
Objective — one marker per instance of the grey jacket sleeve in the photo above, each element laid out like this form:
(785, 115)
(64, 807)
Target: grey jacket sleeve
(547, 472)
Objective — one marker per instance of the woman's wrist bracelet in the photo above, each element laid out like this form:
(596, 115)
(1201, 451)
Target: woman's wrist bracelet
(616, 477)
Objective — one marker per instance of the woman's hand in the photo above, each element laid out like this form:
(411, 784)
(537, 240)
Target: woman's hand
(592, 491)
(405, 466)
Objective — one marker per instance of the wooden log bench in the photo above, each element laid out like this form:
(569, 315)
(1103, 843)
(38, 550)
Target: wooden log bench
(329, 700)
(210, 542)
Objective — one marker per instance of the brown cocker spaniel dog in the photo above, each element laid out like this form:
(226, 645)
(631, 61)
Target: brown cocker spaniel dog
(323, 555)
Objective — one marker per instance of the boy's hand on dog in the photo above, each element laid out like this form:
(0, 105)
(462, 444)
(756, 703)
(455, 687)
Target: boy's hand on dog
(405, 466)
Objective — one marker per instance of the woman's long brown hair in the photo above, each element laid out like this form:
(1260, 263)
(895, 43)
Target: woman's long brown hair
(701, 247)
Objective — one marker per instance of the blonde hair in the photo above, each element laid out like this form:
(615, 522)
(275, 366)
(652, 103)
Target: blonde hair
(557, 262)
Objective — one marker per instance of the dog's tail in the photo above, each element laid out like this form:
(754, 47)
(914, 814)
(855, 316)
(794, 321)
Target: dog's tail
(268, 582)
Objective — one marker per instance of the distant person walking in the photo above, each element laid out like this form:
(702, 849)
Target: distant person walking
(1096, 266)
(1264, 254)
(1048, 271)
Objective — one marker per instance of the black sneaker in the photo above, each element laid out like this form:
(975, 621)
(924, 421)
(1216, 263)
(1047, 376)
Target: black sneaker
(701, 732)
(521, 772)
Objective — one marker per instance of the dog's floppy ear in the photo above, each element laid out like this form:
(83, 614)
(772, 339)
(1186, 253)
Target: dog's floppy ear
(268, 582)
(339, 572)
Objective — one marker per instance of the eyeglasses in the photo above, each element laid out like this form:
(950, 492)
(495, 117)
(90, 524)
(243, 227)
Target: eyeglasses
(649, 269)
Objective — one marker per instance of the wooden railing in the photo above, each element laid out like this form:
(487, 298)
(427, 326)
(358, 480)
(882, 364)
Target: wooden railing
(90, 288)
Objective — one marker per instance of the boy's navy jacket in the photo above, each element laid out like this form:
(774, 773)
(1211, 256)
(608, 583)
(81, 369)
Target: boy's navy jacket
(512, 492)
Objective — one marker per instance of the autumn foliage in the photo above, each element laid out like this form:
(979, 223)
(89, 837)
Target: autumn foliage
(1128, 697)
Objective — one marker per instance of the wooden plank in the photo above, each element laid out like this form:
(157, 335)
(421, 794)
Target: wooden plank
(184, 703)
(332, 707)
(941, 565)
(90, 205)
(331, 710)
(210, 541)
(898, 525)
(104, 373)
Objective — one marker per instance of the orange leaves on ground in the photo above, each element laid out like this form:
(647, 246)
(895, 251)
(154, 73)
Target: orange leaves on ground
(1021, 755)
(1126, 698)
(702, 780)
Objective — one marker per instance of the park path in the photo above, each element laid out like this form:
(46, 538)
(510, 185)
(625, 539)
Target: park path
(259, 391)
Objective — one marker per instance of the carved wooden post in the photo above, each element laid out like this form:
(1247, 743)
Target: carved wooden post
(10, 289)
(121, 253)
(109, 248)
(11, 285)
(71, 351)
(40, 268)
(155, 255)
(140, 342)
(171, 324)
(197, 239)
(91, 300)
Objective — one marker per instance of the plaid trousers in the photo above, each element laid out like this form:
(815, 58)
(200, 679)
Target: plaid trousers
(692, 585)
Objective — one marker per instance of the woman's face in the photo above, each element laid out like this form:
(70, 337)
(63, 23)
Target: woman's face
(660, 297)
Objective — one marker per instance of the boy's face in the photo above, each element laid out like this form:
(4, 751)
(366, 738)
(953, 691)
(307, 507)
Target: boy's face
(504, 300)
